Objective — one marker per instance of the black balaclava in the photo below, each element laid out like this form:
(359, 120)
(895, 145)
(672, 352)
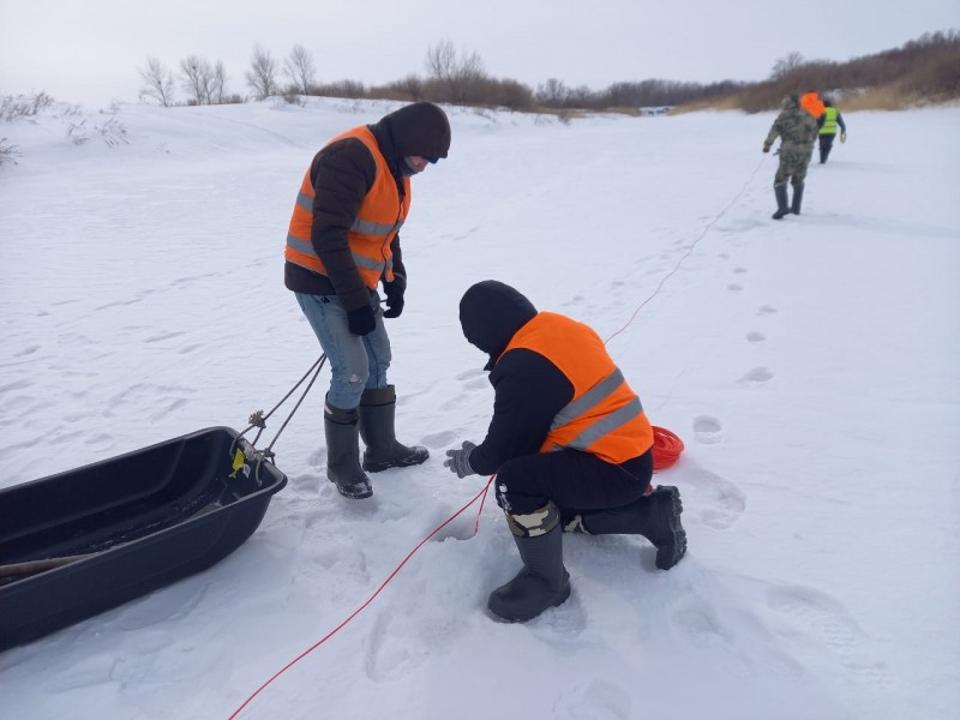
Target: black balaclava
(491, 313)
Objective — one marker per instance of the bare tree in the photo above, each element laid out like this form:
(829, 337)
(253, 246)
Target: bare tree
(457, 77)
(197, 79)
(785, 65)
(158, 82)
(441, 60)
(300, 69)
(553, 93)
(262, 76)
(218, 83)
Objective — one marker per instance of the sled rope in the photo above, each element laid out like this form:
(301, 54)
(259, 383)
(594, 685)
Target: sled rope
(259, 420)
(689, 251)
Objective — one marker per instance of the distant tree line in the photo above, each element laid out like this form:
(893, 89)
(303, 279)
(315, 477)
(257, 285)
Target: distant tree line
(930, 66)
(926, 68)
(451, 77)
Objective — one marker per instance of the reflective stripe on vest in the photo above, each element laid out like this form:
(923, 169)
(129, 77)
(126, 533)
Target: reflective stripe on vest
(829, 122)
(361, 261)
(380, 216)
(605, 417)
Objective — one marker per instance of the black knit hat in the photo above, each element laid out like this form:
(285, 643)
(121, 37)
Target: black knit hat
(419, 129)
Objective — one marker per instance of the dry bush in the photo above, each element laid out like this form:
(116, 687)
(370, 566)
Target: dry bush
(340, 89)
(409, 89)
(922, 70)
(8, 152)
(14, 107)
(728, 102)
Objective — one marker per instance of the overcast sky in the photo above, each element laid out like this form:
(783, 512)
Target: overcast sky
(88, 51)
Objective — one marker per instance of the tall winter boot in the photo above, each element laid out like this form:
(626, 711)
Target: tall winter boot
(797, 198)
(377, 412)
(825, 152)
(655, 516)
(343, 453)
(543, 582)
(781, 192)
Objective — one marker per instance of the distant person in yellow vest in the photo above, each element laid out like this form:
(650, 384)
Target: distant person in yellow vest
(829, 122)
(344, 241)
(569, 442)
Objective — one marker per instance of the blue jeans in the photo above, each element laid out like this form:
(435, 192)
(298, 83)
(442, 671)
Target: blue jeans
(357, 362)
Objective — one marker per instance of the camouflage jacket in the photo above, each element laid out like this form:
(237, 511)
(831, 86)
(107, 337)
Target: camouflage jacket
(796, 128)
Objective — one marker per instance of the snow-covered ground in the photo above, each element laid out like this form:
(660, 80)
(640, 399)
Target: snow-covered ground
(811, 365)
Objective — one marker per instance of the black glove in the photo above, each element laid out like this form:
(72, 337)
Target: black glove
(459, 460)
(362, 320)
(394, 291)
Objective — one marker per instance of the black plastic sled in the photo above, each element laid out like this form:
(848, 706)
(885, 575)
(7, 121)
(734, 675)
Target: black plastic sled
(86, 540)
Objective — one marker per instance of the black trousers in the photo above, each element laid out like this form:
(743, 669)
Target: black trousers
(826, 143)
(573, 480)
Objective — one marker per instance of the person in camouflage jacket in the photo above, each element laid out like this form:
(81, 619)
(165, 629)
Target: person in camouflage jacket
(797, 131)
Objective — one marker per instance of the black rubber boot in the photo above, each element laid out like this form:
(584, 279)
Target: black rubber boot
(377, 412)
(656, 517)
(797, 199)
(343, 453)
(543, 582)
(825, 149)
(781, 192)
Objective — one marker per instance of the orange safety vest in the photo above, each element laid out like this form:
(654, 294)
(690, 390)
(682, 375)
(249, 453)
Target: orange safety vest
(812, 103)
(378, 220)
(605, 417)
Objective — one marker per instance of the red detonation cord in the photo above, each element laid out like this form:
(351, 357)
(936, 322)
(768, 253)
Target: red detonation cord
(667, 447)
(479, 496)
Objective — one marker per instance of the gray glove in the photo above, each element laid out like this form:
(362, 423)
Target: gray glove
(459, 460)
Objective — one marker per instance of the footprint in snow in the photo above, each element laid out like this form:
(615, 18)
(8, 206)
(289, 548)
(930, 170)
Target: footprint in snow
(766, 310)
(716, 501)
(755, 336)
(595, 700)
(739, 270)
(757, 375)
(734, 287)
(700, 621)
(306, 485)
(27, 351)
(824, 617)
(439, 440)
(707, 429)
(561, 625)
(395, 646)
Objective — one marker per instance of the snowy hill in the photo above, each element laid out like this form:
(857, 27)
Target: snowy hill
(810, 365)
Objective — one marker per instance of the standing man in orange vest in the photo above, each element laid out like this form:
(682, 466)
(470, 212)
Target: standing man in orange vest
(569, 442)
(343, 241)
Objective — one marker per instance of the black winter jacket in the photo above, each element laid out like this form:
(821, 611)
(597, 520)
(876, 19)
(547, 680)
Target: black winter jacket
(342, 173)
(529, 389)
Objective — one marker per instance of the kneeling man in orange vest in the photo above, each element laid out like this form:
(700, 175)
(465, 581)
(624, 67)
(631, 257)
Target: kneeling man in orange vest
(569, 442)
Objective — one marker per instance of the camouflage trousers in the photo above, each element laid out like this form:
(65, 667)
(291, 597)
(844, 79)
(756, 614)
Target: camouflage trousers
(793, 165)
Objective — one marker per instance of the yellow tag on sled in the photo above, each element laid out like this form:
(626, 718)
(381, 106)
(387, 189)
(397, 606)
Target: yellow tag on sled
(238, 461)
